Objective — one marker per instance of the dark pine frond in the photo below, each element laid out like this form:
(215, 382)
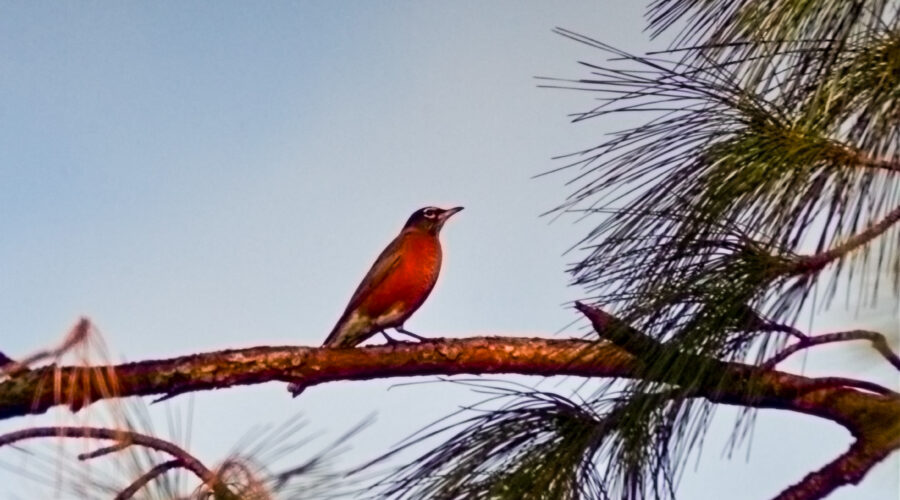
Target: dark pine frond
(717, 157)
(795, 41)
(539, 445)
(536, 446)
(765, 151)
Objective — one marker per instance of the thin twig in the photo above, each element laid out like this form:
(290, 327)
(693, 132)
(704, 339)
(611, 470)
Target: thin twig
(188, 461)
(879, 342)
(78, 334)
(880, 163)
(831, 382)
(148, 476)
(106, 450)
(814, 263)
(772, 326)
(858, 157)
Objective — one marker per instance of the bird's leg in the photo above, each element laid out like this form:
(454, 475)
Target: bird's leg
(390, 340)
(404, 331)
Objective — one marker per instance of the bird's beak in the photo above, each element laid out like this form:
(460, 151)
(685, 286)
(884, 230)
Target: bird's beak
(447, 213)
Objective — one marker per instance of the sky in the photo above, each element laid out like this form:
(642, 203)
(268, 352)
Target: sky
(195, 176)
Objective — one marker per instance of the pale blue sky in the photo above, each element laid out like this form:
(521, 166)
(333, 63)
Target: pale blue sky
(202, 175)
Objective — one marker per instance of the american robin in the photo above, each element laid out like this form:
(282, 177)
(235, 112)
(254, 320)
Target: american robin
(397, 284)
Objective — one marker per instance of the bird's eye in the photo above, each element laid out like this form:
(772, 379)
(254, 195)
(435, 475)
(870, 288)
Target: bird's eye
(429, 213)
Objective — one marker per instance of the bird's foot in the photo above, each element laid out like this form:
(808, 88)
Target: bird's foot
(390, 340)
(404, 331)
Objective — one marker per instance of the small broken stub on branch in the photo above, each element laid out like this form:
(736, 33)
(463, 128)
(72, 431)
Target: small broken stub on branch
(76, 336)
(4, 360)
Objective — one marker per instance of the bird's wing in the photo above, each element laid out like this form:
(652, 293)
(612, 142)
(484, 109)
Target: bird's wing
(384, 264)
(381, 269)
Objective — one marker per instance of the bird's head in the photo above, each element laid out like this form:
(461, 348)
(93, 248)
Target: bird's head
(430, 219)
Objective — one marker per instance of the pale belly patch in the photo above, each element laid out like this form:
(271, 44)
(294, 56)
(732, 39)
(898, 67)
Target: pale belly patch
(393, 317)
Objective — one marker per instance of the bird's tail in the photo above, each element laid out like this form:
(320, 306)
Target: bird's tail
(347, 332)
(334, 338)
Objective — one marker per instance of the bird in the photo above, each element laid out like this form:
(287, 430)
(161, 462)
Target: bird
(395, 287)
(398, 283)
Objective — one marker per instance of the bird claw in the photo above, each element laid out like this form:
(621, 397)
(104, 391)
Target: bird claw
(390, 340)
(404, 331)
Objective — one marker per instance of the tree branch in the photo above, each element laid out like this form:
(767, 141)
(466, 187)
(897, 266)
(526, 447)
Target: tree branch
(849, 468)
(106, 450)
(855, 383)
(845, 153)
(879, 163)
(814, 263)
(76, 335)
(773, 326)
(879, 342)
(187, 460)
(148, 476)
(34, 392)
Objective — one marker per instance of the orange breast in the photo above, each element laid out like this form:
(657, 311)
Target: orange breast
(408, 284)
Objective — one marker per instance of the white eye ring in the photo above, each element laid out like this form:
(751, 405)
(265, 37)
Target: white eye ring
(429, 213)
